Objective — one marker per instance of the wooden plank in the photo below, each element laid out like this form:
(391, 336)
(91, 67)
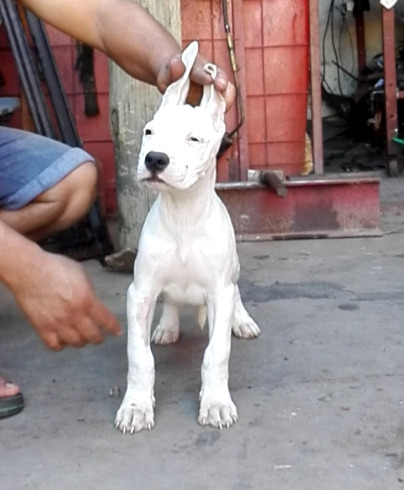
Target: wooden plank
(132, 104)
(390, 77)
(240, 55)
(316, 102)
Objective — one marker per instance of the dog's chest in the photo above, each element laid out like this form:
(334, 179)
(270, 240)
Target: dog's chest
(187, 280)
(187, 257)
(191, 294)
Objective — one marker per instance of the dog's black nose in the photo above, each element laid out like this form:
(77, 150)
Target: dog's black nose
(156, 161)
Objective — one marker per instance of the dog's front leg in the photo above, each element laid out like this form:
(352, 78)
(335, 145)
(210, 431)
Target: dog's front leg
(217, 407)
(137, 409)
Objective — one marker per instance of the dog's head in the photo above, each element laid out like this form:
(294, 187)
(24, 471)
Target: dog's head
(180, 143)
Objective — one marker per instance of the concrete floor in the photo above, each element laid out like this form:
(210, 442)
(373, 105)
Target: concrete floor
(320, 394)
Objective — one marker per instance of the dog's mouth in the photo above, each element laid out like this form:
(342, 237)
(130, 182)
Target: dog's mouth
(154, 179)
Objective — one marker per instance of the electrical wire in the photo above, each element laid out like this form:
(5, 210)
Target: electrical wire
(334, 48)
(344, 25)
(327, 25)
(338, 102)
(234, 68)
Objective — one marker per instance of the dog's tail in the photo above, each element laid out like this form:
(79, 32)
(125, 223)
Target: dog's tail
(202, 316)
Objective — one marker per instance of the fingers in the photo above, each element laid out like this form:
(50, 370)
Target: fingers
(57, 340)
(88, 329)
(226, 88)
(173, 70)
(89, 332)
(170, 72)
(199, 75)
(62, 307)
(229, 95)
(103, 317)
(176, 68)
(70, 336)
(51, 340)
(221, 81)
(221, 84)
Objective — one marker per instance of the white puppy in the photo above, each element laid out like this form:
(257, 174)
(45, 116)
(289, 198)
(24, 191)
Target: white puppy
(187, 253)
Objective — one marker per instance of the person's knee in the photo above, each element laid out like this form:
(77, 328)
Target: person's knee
(57, 208)
(82, 190)
(85, 184)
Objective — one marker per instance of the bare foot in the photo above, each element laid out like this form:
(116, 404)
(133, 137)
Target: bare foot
(7, 389)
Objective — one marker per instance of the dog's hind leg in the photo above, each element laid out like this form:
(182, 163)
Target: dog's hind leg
(168, 329)
(243, 325)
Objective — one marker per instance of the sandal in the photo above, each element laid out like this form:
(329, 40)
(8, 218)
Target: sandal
(10, 405)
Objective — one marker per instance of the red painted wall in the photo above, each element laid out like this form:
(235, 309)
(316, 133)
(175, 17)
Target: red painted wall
(271, 39)
(272, 47)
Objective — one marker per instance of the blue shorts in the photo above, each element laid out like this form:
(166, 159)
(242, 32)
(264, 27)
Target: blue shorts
(31, 164)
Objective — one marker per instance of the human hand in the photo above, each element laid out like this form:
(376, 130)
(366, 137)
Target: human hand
(174, 68)
(59, 301)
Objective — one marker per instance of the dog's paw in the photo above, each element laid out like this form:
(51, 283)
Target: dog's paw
(135, 415)
(218, 412)
(245, 328)
(164, 336)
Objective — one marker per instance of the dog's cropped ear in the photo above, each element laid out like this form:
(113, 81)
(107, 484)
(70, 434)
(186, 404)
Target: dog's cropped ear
(177, 92)
(212, 100)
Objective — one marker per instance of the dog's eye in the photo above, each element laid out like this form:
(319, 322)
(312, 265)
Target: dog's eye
(195, 138)
(147, 132)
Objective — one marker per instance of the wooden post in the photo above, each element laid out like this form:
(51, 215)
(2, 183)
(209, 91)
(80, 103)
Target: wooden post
(132, 104)
(316, 110)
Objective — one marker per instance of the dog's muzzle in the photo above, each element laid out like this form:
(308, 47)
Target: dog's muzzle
(156, 161)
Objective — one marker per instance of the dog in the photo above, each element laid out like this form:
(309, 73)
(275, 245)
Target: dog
(187, 253)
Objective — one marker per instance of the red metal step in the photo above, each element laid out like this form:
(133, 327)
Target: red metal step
(315, 207)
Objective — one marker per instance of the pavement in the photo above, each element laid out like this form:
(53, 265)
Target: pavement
(320, 394)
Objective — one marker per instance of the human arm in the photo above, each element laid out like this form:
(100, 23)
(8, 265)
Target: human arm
(128, 34)
(53, 292)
